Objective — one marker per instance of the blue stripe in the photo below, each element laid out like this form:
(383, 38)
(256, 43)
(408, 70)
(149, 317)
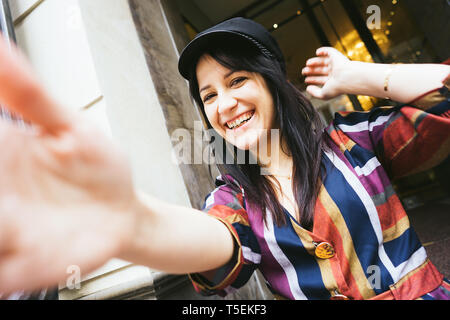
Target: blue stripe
(427, 297)
(244, 275)
(358, 223)
(306, 266)
(350, 158)
(358, 156)
(400, 249)
(361, 116)
(204, 202)
(247, 237)
(351, 118)
(440, 108)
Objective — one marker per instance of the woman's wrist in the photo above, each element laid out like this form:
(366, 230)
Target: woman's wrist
(137, 216)
(388, 80)
(352, 78)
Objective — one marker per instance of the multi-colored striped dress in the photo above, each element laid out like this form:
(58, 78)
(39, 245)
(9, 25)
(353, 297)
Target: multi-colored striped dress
(362, 245)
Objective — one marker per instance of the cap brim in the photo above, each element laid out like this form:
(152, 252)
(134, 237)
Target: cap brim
(192, 52)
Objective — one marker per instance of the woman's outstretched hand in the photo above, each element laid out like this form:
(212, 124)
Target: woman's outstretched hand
(323, 73)
(65, 188)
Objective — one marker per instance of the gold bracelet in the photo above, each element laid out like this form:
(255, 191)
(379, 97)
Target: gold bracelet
(386, 80)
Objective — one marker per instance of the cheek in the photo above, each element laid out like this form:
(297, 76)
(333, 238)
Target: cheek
(269, 112)
(211, 115)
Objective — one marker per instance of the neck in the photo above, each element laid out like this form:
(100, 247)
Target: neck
(273, 159)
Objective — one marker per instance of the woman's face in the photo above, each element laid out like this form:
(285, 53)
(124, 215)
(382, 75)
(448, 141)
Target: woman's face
(238, 104)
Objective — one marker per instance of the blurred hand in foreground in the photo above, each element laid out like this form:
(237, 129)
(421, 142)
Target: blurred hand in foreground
(65, 188)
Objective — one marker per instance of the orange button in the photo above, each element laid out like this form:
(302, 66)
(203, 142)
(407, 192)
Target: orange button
(324, 250)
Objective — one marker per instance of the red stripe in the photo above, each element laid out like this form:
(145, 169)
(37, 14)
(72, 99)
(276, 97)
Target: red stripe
(396, 135)
(422, 150)
(421, 281)
(431, 133)
(324, 226)
(390, 212)
(339, 137)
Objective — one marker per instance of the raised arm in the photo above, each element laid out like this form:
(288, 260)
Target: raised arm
(67, 198)
(330, 73)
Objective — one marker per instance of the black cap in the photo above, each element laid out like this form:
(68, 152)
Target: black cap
(233, 28)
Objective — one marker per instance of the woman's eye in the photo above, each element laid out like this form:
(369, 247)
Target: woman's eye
(238, 80)
(208, 97)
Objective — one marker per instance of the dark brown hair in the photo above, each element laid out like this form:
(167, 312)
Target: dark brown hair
(300, 127)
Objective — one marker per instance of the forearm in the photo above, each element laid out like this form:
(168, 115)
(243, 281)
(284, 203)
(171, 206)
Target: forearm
(177, 239)
(404, 82)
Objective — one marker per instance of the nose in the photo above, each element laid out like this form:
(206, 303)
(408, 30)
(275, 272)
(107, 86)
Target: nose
(226, 102)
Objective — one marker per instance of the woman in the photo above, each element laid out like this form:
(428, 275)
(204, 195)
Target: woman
(319, 223)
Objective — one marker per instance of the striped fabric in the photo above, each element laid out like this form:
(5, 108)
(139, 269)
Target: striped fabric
(377, 253)
(441, 293)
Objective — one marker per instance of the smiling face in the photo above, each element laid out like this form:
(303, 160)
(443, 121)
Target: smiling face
(238, 104)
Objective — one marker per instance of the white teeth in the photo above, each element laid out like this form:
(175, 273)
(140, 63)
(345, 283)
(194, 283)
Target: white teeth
(239, 120)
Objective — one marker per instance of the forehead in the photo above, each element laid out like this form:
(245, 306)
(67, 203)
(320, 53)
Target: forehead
(207, 66)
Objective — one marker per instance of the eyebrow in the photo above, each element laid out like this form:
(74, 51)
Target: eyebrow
(225, 76)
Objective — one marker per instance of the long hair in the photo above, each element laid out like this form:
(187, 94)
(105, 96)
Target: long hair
(300, 127)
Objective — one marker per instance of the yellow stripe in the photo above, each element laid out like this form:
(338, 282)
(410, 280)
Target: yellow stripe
(236, 218)
(350, 144)
(324, 264)
(415, 115)
(404, 145)
(347, 146)
(429, 100)
(355, 265)
(396, 230)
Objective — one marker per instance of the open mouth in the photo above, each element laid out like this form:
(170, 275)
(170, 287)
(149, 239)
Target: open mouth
(236, 123)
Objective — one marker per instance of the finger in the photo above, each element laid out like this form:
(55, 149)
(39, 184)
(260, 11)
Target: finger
(8, 228)
(5, 236)
(316, 80)
(315, 91)
(312, 71)
(324, 51)
(317, 62)
(21, 93)
(19, 273)
(10, 275)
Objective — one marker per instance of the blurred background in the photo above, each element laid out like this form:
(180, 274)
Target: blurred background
(386, 31)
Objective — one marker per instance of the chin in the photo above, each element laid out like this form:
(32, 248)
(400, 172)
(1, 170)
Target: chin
(246, 142)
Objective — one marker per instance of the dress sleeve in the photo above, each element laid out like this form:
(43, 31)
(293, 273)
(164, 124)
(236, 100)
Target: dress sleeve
(227, 205)
(406, 139)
